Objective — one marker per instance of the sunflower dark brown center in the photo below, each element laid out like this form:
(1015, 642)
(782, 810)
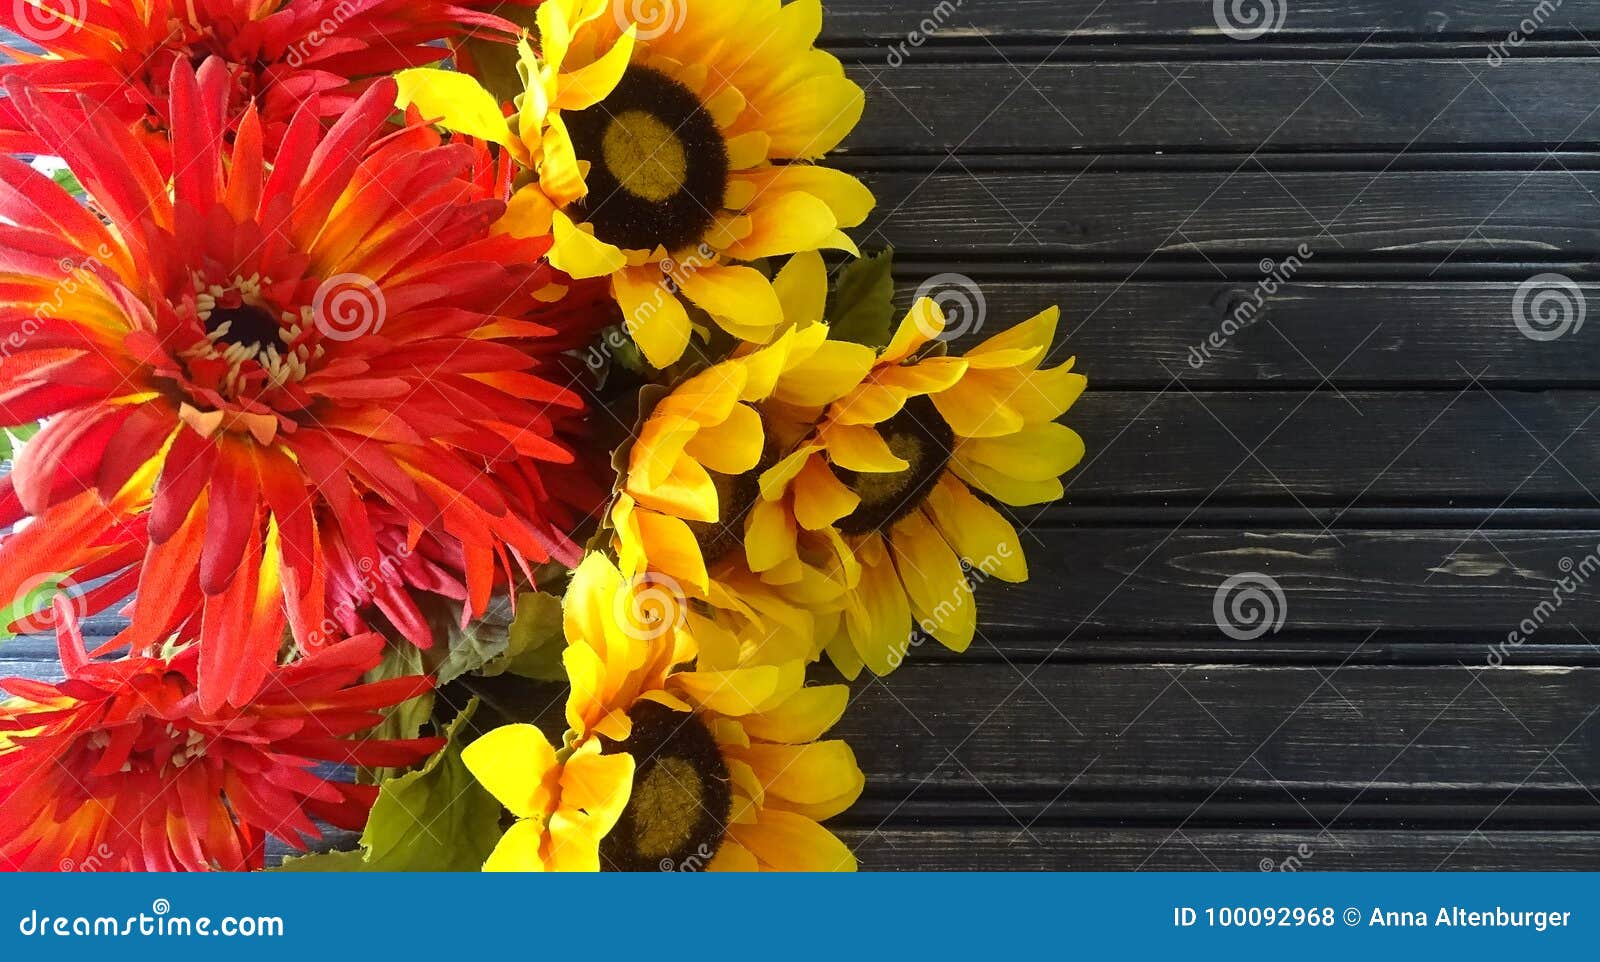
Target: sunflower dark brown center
(681, 801)
(658, 164)
(917, 434)
(735, 496)
(246, 325)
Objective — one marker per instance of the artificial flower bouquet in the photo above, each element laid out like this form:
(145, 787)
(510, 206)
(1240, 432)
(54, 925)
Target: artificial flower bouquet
(478, 456)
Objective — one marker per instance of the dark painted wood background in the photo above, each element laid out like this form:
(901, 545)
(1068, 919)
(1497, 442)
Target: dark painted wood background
(1384, 442)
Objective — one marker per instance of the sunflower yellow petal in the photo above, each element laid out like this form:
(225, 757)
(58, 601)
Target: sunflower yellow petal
(803, 717)
(812, 117)
(1004, 488)
(733, 446)
(770, 536)
(980, 534)
(802, 289)
(941, 600)
(861, 448)
(820, 498)
(514, 762)
(579, 253)
(528, 214)
(784, 225)
(739, 293)
(455, 101)
(787, 842)
(816, 773)
(877, 613)
(520, 849)
(835, 369)
(588, 85)
(652, 314)
(1038, 452)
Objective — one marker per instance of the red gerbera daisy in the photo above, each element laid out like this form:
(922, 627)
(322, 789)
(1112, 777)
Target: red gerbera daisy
(120, 53)
(121, 766)
(232, 367)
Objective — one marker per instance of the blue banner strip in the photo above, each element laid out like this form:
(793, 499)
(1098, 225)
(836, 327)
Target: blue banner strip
(823, 918)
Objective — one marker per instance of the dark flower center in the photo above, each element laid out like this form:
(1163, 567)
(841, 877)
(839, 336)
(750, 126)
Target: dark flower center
(917, 434)
(658, 164)
(682, 800)
(245, 325)
(736, 495)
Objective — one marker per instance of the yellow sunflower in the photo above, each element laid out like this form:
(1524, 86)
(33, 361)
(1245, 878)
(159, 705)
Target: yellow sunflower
(729, 773)
(893, 465)
(690, 479)
(662, 152)
(565, 802)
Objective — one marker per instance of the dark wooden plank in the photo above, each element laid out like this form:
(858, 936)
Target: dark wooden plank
(1032, 214)
(1092, 583)
(1235, 105)
(1388, 334)
(1056, 21)
(1200, 850)
(1468, 446)
(992, 732)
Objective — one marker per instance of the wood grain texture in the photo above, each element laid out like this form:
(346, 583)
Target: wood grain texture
(1097, 582)
(1392, 334)
(1207, 850)
(848, 21)
(1028, 212)
(1020, 104)
(1381, 439)
(999, 734)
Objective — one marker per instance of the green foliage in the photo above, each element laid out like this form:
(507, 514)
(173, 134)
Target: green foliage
(861, 305)
(12, 438)
(535, 642)
(435, 819)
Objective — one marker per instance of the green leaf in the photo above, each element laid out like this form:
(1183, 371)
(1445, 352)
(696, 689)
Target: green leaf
(35, 600)
(536, 642)
(435, 819)
(69, 182)
(469, 649)
(11, 438)
(861, 306)
(402, 659)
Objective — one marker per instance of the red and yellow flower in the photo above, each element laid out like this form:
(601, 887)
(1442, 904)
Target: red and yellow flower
(665, 144)
(118, 55)
(233, 366)
(121, 767)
